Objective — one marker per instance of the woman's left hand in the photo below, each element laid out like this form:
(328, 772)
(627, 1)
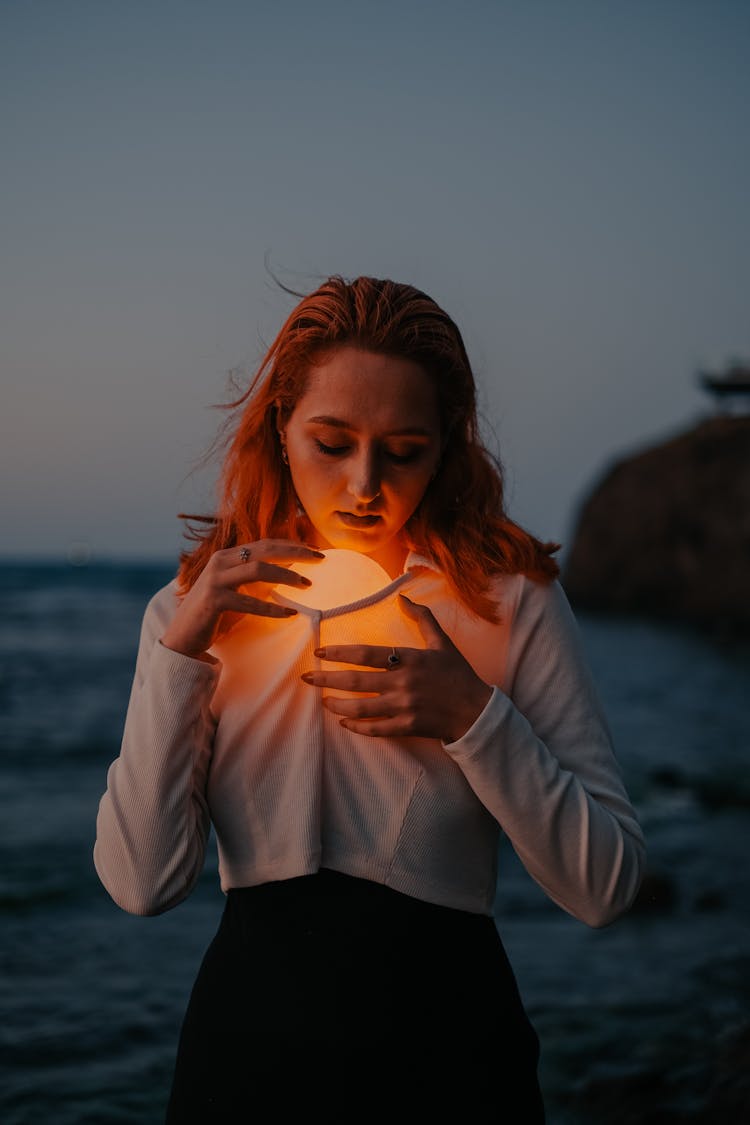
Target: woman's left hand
(431, 693)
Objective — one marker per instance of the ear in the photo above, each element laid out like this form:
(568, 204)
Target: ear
(278, 415)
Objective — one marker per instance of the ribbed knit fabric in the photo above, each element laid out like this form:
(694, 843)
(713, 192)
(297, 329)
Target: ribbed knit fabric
(243, 742)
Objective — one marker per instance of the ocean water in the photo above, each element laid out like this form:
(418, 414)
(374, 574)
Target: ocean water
(645, 1021)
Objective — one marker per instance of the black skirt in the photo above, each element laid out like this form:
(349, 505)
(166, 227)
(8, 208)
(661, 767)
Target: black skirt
(332, 996)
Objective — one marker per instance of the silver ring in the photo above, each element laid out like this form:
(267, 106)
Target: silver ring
(393, 660)
(244, 554)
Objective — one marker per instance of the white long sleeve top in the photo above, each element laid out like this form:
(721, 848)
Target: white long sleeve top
(242, 742)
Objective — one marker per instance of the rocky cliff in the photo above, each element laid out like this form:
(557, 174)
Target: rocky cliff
(666, 532)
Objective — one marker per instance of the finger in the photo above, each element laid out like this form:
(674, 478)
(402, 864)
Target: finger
(280, 550)
(243, 603)
(433, 634)
(348, 681)
(359, 707)
(271, 573)
(372, 656)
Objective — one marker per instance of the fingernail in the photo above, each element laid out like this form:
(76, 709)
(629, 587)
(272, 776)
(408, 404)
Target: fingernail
(307, 677)
(320, 652)
(289, 612)
(318, 554)
(304, 581)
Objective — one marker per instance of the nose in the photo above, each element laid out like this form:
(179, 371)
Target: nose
(364, 478)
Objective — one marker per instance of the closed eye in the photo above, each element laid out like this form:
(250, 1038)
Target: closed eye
(393, 456)
(404, 458)
(331, 450)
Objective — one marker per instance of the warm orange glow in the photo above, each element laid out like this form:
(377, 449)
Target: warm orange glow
(342, 578)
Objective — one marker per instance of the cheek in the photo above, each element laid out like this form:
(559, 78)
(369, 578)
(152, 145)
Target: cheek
(313, 481)
(408, 494)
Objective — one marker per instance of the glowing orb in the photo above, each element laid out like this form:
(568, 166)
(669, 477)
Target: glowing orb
(341, 578)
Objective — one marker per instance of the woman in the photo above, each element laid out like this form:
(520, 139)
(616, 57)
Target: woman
(363, 673)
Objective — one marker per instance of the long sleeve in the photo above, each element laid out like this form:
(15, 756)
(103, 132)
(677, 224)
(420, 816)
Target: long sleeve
(540, 759)
(290, 790)
(153, 820)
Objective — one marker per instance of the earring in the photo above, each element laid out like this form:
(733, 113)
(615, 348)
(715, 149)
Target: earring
(284, 454)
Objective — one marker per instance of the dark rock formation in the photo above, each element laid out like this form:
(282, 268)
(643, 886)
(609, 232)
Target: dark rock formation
(666, 533)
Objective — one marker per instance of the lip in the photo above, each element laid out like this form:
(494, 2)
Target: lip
(349, 519)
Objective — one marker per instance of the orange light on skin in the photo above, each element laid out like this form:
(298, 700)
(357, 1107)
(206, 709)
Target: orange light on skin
(366, 599)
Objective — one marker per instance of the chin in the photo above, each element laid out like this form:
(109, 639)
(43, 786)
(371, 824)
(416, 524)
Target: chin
(358, 543)
(385, 550)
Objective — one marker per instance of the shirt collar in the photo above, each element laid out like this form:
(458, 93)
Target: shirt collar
(415, 561)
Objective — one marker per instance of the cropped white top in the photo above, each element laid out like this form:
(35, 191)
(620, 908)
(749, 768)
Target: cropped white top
(245, 744)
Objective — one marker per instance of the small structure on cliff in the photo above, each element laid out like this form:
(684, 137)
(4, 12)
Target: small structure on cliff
(666, 532)
(731, 388)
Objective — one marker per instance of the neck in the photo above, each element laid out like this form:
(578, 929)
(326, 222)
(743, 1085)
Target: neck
(392, 558)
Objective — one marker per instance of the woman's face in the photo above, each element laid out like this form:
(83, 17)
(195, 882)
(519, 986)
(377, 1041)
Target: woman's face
(363, 442)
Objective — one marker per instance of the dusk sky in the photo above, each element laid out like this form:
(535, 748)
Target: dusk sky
(570, 180)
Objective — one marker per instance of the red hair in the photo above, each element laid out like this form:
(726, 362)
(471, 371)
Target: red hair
(461, 521)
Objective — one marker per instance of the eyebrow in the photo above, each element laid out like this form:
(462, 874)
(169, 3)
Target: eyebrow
(340, 424)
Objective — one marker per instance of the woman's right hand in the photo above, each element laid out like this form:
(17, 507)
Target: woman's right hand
(213, 604)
